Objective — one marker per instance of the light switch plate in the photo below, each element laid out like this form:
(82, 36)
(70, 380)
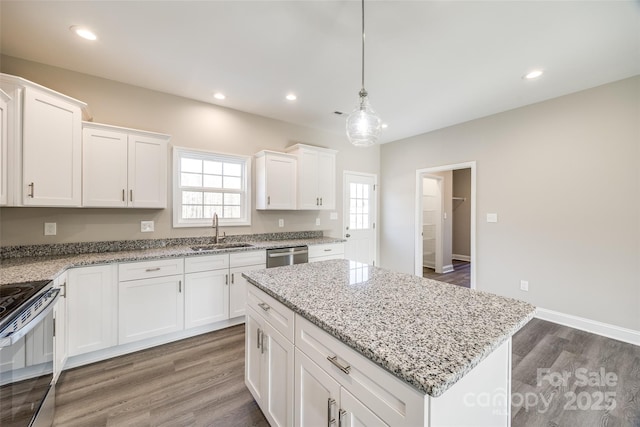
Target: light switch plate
(492, 217)
(281, 223)
(50, 229)
(317, 221)
(146, 226)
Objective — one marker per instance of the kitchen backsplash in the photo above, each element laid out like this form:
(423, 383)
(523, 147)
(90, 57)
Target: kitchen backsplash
(57, 249)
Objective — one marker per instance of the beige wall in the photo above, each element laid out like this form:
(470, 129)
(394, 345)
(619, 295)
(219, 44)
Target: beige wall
(191, 124)
(563, 177)
(461, 244)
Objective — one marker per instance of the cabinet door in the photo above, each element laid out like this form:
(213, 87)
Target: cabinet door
(147, 172)
(149, 308)
(317, 395)
(4, 141)
(308, 196)
(327, 180)
(253, 366)
(91, 308)
(278, 378)
(104, 168)
(238, 290)
(52, 132)
(280, 182)
(353, 413)
(206, 297)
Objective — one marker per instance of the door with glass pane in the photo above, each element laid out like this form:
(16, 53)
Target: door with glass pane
(360, 217)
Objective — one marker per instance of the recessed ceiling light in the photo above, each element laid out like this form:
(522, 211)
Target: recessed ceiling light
(219, 96)
(291, 97)
(534, 74)
(83, 32)
(384, 126)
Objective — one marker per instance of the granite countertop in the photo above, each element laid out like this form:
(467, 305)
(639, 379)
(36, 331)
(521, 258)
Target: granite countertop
(427, 333)
(24, 269)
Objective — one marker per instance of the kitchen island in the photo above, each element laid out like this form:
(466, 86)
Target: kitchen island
(348, 342)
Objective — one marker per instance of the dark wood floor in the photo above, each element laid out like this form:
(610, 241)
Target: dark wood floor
(199, 382)
(461, 274)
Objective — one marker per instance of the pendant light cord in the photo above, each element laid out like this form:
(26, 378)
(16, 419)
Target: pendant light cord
(363, 92)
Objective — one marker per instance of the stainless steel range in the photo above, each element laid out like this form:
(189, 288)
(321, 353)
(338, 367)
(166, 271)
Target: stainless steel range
(27, 392)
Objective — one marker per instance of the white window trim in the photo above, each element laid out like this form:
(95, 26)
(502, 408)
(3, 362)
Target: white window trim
(178, 222)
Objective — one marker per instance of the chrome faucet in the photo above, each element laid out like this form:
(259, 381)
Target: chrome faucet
(214, 224)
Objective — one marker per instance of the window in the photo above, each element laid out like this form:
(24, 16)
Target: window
(358, 206)
(206, 183)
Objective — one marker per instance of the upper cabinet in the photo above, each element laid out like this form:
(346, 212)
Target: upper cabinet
(44, 132)
(4, 100)
(316, 177)
(275, 181)
(123, 167)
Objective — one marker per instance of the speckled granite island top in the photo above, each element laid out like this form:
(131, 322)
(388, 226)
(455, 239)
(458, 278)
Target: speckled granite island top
(427, 333)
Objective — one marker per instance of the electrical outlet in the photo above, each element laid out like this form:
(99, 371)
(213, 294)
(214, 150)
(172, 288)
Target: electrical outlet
(524, 285)
(317, 221)
(492, 217)
(281, 223)
(146, 226)
(50, 229)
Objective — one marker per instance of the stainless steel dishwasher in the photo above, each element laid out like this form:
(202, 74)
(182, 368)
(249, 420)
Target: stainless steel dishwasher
(287, 256)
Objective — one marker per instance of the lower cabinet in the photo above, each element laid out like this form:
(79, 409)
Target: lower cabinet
(239, 263)
(326, 252)
(150, 307)
(60, 321)
(92, 308)
(269, 369)
(206, 295)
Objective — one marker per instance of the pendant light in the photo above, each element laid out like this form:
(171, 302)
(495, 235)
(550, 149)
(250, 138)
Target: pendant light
(363, 124)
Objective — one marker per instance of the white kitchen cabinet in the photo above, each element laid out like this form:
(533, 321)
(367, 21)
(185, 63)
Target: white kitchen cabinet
(92, 307)
(269, 370)
(242, 262)
(275, 181)
(150, 299)
(326, 252)
(123, 167)
(61, 326)
(206, 289)
(4, 100)
(317, 395)
(316, 177)
(44, 145)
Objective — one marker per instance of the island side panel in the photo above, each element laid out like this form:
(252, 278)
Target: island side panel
(481, 398)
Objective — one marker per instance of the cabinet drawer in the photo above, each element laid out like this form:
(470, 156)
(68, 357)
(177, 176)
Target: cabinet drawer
(326, 250)
(195, 264)
(274, 312)
(391, 399)
(242, 259)
(149, 269)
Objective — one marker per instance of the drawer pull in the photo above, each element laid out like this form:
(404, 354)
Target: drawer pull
(342, 415)
(337, 364)
(149, 270)
(331, 420)
(327, 250)
(264, 306)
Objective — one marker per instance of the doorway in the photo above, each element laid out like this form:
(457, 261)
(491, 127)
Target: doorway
(445, 247)
(360, 212)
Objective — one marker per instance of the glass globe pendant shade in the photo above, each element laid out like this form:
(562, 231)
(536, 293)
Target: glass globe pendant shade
(363, 124)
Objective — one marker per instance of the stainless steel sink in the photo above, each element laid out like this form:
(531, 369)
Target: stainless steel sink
(217, 246)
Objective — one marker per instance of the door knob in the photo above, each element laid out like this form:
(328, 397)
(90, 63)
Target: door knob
(347, 235)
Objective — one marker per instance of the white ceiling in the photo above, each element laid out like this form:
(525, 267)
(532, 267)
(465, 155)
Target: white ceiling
(430, 64)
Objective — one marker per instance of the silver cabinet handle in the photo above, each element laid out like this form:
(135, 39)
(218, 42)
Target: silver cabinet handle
(331, 420)
(342, 415)
(347, 235)
(264, 306)
(179, 286)
(320, 201)
(258, 335)
(226, 279)
(328, 250)
(262, 343)
(148, 270)
(32, 191)
(232, 274)
(131, 195)
(317, 201)
(123, 194)
(334, 360)
(268, 200)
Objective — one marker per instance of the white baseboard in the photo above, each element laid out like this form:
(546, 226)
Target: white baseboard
(606, 330)
(447, 268)
(459, 257)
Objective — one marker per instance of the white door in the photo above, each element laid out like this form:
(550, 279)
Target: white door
(432, 222)
(205, 297)
(104, 168)
(147, 172)
(360, 208)
(278, 378)
(253, 377)
(238, 290)
(317, 395)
